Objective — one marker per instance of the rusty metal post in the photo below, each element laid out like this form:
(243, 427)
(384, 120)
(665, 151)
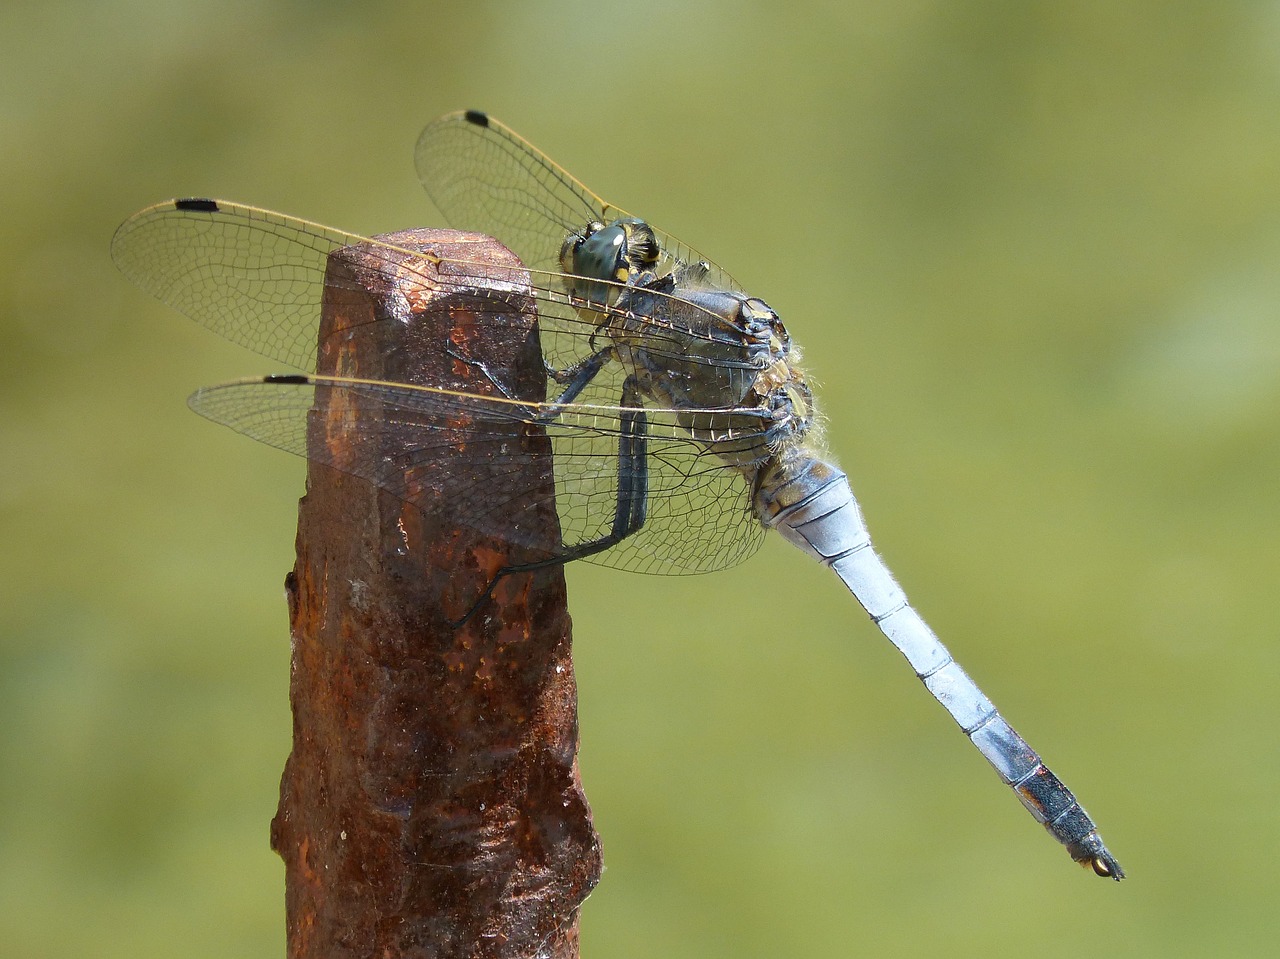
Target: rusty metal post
(431, 806)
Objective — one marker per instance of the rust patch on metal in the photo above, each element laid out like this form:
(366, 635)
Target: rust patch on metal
(431, 805)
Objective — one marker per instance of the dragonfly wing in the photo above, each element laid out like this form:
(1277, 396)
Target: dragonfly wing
(249, 275)
(258, 278)
(421, 444)
(698, 510)
(480, 457)
(484, 176)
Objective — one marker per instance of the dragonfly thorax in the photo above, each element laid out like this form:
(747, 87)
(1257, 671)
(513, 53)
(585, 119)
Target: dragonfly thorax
(720, 360)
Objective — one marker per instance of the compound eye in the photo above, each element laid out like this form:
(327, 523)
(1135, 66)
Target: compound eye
(569, 252)
(571, 248)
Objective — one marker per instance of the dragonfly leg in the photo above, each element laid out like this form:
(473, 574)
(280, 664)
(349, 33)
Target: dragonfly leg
(630, 509)
(575, 378)
(632, 504)
(480, 365)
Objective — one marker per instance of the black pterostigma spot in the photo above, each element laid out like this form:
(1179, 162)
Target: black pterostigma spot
(199, 204)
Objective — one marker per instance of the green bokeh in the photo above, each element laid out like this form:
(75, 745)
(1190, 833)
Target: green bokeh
(1032, 251)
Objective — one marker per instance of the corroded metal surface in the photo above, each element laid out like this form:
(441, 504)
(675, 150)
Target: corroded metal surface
(431, 805)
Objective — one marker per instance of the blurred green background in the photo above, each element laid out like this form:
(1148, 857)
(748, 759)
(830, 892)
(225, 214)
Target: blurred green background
(1032, 251)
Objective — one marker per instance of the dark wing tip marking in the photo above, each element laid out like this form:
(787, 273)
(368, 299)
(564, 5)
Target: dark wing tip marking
(198, 204)
(478, 117)
(293, 379)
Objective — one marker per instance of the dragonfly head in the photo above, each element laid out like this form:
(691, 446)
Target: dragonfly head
(616, 253)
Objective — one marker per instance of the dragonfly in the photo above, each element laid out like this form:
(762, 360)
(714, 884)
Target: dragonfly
(681, 424)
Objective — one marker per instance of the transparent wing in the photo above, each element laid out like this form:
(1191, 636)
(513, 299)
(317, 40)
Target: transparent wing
(258, 278)
(483, 176)
(402, 438)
